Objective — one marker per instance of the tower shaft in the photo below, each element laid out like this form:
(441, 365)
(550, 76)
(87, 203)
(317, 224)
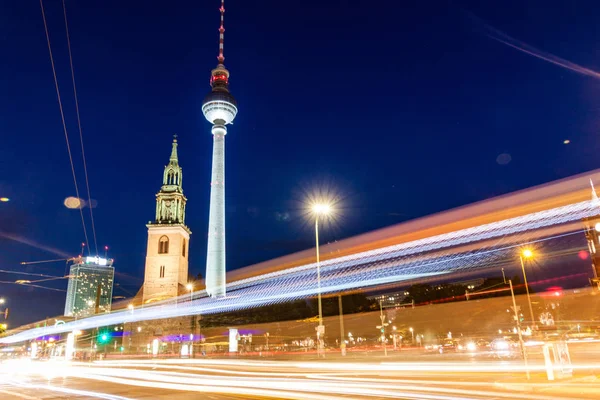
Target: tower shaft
(215, 257)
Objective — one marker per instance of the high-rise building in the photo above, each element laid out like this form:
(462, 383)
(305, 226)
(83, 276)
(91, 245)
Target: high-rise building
(166, 271)
(90, 286)
(219, 108)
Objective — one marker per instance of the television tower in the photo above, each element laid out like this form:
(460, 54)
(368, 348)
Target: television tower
(219, 108)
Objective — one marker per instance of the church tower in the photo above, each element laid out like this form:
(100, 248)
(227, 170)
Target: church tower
(166, 272)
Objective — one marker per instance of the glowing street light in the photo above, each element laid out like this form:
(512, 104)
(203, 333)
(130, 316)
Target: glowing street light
(190, 287)
(130, 307)
(2, 301)
(320, 210)
(527, 254)
(412, 332)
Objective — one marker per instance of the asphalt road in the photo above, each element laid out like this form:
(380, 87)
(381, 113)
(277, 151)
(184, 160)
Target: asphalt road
(424, 377)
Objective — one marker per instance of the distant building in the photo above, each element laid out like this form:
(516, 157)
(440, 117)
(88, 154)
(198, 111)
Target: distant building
(470, 284)
(391, 300)
(90, 286)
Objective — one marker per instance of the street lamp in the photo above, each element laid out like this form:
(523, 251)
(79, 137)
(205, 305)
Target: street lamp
(412, 332)
(2, 301)
(527, 254)
(130, 307)
(190, 287)
(320, 210)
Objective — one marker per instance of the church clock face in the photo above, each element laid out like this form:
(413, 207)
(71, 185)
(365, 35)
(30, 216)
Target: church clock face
(169, 209)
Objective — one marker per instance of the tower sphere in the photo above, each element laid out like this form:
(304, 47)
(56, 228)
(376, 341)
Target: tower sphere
(219, 106)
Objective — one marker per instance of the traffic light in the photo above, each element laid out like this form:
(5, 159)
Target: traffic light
(103, 337)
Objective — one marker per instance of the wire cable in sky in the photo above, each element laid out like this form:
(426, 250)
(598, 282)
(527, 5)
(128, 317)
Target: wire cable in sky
(62, 116)
(32, 285)
(87, 182)
(6, 271)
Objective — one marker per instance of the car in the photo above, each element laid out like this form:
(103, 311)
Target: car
(473, 345)
(504, 348)
(449, 345)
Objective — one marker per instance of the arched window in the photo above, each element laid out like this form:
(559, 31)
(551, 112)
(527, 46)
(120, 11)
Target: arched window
(183, 248)
(162, 271)
(163, 245)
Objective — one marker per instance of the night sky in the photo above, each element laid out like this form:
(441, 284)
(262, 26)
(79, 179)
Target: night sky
(403, 108)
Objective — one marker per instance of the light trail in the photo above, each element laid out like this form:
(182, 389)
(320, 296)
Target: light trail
(428, 257)
(292, 380)
(523, 47)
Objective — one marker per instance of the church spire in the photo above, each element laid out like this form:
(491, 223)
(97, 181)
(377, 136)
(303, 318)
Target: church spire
(170, 201)
(173, 174)
(174, 159)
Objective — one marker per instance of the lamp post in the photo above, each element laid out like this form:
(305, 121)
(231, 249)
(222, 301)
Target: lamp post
(412, 332)
(191, 352)
(527, 254)
(342, 339)
(319, 210)
(518, 322)
(382, 327)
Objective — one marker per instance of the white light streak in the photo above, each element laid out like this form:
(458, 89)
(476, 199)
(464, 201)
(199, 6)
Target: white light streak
(402, 262)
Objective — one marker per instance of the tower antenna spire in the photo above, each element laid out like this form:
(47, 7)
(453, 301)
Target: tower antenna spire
(221, 57)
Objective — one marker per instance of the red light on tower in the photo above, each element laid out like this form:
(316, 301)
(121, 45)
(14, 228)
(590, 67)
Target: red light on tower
(583, 255)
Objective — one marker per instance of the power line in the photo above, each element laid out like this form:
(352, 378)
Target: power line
(62, 116)
(32, 285)
(87, 182)
(44, 261)
(6, 271)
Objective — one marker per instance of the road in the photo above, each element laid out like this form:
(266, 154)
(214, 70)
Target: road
(317, 379)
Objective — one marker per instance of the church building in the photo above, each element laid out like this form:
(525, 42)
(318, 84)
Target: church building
(166, 271)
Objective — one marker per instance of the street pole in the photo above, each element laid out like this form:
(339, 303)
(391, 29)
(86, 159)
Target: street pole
(320, 329)
(342, 334)
(383, 324)
(523, 351)
(527, 290)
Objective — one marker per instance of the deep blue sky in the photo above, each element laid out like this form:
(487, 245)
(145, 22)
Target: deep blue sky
(400, 106)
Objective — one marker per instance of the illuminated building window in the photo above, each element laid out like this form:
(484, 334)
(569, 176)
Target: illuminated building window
(183, 248)
(163, 245)
(162, 271)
